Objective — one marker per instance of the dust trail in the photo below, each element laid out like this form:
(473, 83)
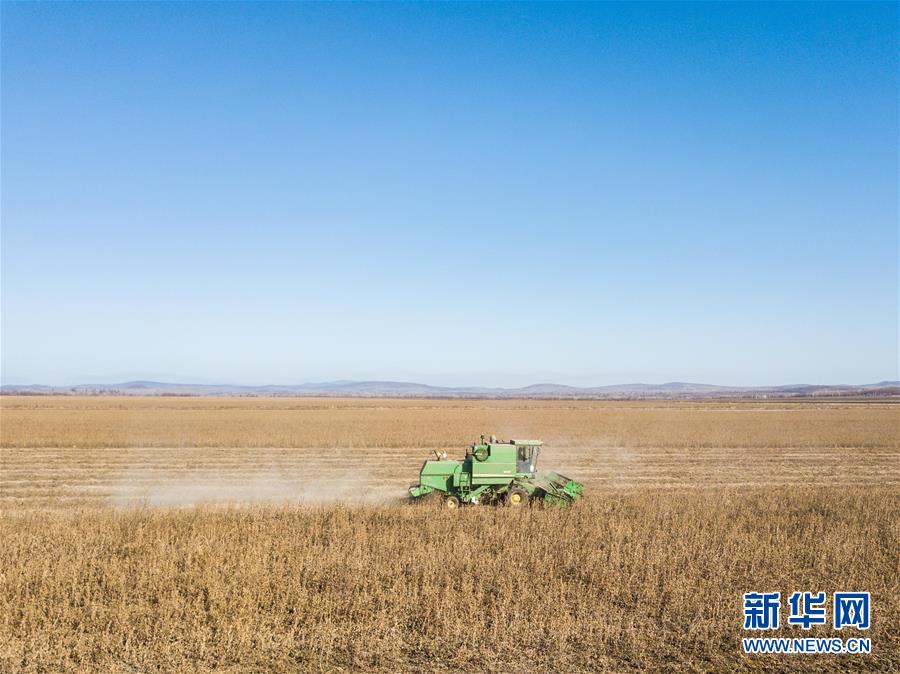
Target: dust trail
(155, 488)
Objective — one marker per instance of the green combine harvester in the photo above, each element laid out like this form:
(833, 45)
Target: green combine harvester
(495, 472)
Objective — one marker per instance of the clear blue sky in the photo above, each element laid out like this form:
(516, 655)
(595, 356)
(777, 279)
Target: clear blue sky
(454, 194)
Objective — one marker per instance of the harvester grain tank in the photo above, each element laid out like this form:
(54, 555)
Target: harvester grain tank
(496, 472)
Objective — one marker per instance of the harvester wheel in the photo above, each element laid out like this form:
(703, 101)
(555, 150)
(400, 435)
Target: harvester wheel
(451, 503)
(517, 497)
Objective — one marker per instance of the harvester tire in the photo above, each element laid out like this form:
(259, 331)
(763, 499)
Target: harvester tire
(451, 503)
(517, 497)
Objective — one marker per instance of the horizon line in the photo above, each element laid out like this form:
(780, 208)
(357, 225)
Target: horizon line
(401, 382)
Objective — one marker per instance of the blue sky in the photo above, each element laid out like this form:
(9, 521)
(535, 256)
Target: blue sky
(454, 194)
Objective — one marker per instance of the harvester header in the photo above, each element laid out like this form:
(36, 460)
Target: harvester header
(496, 472)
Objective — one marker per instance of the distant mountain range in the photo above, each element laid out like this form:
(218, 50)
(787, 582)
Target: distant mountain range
(395, 389)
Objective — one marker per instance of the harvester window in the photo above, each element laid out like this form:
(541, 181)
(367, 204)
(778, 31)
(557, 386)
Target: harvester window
(524, 453)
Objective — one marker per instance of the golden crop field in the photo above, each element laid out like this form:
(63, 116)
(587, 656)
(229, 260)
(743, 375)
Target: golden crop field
(251, 534)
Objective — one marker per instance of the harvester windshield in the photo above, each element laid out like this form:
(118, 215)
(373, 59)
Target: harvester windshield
(526, 458)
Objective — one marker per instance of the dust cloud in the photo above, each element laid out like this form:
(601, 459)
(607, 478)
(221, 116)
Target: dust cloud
(198, 487)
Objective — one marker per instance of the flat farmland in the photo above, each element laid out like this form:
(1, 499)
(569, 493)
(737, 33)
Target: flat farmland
(95, 451)
(236, 534)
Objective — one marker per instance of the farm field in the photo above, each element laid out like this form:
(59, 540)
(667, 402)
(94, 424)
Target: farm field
(236, 534)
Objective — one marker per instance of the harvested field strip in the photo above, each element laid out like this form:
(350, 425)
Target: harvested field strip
(39, 477)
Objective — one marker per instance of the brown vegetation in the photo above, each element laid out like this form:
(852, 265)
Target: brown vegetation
(62, 421)
(688, 506)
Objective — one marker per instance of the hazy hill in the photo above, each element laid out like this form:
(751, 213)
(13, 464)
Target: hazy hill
(671, 390)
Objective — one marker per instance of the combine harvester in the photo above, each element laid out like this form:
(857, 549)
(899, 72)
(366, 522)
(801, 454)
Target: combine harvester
(495, 472)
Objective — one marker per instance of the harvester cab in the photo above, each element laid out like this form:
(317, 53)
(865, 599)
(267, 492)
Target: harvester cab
(526, 457)
(496, 472)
